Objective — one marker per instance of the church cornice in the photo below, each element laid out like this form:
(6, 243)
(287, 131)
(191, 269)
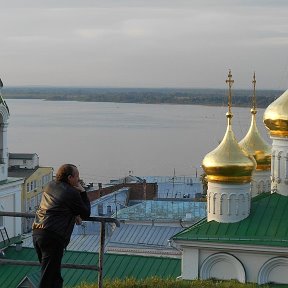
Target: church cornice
(235, 247)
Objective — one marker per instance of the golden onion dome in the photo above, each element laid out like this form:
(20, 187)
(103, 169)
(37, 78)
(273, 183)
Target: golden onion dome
(228, 163)
(276, 116)
(254, 144)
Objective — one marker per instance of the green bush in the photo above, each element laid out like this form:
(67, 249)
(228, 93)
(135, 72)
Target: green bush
(155, 282)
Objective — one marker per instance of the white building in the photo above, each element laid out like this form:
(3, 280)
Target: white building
(10, 187)
(238, 240)
(23, 160)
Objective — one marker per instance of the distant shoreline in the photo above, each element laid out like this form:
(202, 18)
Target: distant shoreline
(185, 96)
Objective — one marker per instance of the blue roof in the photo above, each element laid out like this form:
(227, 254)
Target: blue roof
(165, 211)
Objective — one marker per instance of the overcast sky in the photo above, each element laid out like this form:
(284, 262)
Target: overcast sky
(149, 43)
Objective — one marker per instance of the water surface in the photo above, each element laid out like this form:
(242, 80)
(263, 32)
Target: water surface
(107, 140)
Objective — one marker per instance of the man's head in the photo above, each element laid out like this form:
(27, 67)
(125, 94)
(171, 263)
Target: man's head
(68, 173)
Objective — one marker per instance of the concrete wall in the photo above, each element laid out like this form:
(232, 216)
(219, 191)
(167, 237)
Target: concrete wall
(10, 201)
(245, 266)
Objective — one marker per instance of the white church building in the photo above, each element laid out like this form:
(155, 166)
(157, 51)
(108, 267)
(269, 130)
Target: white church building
(10, 187)
(243, 237)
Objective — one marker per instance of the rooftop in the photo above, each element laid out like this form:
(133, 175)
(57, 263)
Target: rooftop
(164, 211)
(267, 225)
(27, 156)
(10, 180)
(115, 266)
(133, 238)
(21, 172)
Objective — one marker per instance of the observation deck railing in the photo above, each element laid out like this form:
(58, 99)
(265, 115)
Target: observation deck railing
(99, 268)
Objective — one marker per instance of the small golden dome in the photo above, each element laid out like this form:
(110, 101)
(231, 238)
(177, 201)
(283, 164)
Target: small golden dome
(228, 162)
(253, 143)
(276, 116)
(255, 146)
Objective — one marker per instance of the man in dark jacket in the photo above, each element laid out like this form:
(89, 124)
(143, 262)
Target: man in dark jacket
(63, 202)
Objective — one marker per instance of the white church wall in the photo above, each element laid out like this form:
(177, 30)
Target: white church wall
(279, 166)
(274, 271)
(252, 263)
(226, 207)
(222, 266)
(245, 266)
(261, 182)
(190, 263)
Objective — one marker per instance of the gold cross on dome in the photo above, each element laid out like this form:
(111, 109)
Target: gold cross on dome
(230, 81)
(254, 93)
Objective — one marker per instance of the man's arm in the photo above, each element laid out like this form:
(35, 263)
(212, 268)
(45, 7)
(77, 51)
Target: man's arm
(79, 203)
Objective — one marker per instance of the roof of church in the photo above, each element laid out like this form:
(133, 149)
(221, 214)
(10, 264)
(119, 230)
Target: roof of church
(267, 224)
(115, 266)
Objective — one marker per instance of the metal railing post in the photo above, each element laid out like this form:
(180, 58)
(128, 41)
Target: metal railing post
(101, 255)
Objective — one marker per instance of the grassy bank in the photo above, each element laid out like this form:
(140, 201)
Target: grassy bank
(171, 283)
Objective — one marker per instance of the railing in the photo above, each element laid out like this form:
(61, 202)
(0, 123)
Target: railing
(3, 232)
(99, 268)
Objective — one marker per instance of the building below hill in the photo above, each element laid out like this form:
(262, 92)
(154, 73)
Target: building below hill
(145, 229)
(173, 213)
(10, 187)
(26, 166)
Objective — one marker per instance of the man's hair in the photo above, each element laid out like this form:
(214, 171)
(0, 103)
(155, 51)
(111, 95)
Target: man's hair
(64, 171)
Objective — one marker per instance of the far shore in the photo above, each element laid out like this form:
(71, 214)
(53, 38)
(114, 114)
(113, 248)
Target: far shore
(174, 96)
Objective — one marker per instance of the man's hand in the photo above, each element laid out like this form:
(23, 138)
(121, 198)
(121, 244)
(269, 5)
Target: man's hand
(79, 187)
(78, 220)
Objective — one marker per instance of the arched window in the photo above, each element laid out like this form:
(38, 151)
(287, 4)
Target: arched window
(214, 203)
(279, 166)
(286, 166)
(273, 165)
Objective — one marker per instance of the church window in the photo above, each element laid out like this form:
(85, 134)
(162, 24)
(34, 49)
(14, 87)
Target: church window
(242, 204)
(237, 206)
(214, 203)
(228, 205)
(286, 166)
(209, 203)
(221, 203)
(273, 165)
(279, 167)
(268, 186)
(261, 187)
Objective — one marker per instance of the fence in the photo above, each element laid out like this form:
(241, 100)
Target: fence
(99, 268)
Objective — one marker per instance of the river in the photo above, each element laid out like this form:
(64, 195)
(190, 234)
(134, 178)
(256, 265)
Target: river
(107, 140)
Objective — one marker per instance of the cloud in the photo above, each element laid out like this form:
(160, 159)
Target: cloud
(141, 43)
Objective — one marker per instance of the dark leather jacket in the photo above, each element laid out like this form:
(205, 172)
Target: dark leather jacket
(59, 206)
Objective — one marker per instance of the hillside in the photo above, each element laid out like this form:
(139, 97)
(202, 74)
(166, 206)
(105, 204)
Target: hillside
(216, 97)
